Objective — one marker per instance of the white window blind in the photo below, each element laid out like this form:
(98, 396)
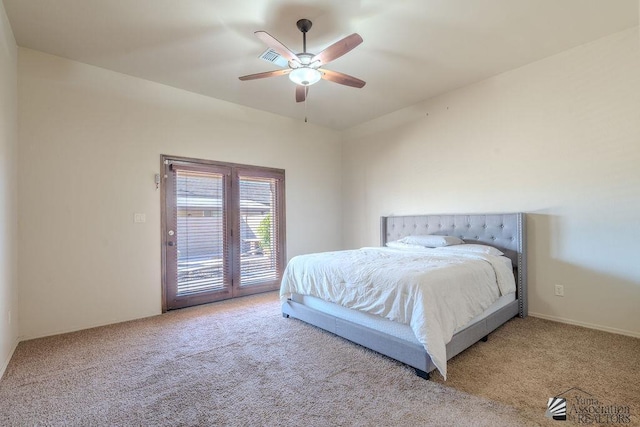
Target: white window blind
(200, 231)
(258, 230)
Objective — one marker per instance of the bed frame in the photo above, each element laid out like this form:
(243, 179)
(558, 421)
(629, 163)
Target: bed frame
(503, 231)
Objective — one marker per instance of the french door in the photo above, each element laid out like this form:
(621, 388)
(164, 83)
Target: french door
(223, 230)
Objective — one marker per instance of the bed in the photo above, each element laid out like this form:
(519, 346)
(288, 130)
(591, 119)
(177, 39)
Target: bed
(398, 340)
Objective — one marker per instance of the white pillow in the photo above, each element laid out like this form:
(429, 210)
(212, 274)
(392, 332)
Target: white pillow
(399, 245)
(474, 248)
(431, 240)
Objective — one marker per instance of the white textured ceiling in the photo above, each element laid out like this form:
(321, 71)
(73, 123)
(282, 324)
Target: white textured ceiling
(412, 50)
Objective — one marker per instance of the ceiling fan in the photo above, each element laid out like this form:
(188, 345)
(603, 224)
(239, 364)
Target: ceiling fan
(304, 68)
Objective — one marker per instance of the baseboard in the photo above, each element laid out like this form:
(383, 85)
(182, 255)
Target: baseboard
(587, 325)
(5, 363)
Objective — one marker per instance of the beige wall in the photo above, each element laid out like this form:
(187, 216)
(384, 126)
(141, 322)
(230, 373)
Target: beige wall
(559, 139)
(8, 192)
(90, 144)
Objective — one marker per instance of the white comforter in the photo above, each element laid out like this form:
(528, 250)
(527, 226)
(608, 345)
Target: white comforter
(433, 291)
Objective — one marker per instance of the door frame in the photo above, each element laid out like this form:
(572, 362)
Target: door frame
(232, 195)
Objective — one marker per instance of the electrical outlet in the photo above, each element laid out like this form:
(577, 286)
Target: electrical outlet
(9, 317)
(139, 217)
(559, 290)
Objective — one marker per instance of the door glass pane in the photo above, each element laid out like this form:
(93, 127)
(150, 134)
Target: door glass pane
(258, 230)
(200, 232)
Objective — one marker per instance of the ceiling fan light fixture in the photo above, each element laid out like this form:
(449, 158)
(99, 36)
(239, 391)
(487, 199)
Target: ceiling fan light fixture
(305, 76)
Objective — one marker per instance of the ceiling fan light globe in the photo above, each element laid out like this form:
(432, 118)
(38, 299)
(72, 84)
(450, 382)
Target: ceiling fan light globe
(305, 76)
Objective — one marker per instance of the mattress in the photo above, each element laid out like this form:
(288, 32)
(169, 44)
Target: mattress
(398, 330)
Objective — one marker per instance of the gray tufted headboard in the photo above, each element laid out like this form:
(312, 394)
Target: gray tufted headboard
(503, 231)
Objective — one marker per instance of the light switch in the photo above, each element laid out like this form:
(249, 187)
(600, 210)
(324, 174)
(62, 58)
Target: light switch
(139, 217)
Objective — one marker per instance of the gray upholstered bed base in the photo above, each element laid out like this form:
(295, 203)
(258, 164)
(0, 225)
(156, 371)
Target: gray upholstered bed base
(504, 231)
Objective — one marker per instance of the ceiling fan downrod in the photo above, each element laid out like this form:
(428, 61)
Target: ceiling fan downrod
(304, 25)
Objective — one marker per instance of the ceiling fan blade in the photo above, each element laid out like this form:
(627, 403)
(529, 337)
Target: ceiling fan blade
(301, 93)
(338, 49)
(266, 74)
(274, 44)
(343, 79)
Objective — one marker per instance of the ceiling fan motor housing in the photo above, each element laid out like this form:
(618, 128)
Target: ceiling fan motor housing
(304, 73)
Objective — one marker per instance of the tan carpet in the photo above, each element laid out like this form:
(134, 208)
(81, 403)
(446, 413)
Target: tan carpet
(538, 359)
(240, 363)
